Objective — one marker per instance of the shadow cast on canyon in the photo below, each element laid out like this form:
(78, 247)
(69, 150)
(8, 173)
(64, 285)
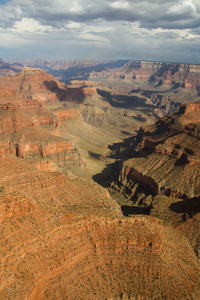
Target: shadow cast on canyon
(125, 101)
(83, 73)
(120, 151)
(65, 94)
(70, 74)
(134, 210)
(108, 174)
(189, 207)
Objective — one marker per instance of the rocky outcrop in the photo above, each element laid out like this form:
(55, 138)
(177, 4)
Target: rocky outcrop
(27, 127)
(184, 75)
(157, 73)
(62, 153)
(166, 85)
(67, 114)
(33, 84)
(62, 238)
(167, 157)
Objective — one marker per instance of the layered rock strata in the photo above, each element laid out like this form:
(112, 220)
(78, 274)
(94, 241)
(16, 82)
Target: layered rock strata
(68, 239)
(166, 85)
(27, 127)
(167, 157)
(158, 73)
(162, 177)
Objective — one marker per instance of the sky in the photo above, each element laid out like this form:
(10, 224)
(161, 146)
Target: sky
(153, 30)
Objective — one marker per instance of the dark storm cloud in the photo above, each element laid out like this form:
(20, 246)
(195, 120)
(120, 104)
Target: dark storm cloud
(165, 14)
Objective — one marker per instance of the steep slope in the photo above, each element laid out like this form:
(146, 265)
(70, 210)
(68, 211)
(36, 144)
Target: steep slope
(32, 84)
(168, 155)
(27, 127)
(67, 239)
(64, 237)
(173, 75)
(83, 114)
(166, 85)
(162, 177)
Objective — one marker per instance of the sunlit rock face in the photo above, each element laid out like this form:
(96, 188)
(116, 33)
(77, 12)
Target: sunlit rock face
(162, 177)
(158, 73)
(169, 159)
(62, 245)
(166, 85)
(27, 126)
(65, 237)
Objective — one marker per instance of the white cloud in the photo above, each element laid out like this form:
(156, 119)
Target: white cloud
(119, 4)
(184, 7)
(30, 26)
(75, 7)
(74, 26)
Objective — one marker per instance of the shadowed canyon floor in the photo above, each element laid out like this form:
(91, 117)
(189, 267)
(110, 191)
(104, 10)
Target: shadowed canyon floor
(63, 236)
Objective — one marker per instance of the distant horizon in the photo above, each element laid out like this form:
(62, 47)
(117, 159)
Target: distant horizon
(99, 60)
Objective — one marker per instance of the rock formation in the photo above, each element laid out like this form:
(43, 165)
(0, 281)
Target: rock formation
(167, 155)
(26, 125)
(162, 177)
(166, 158)
(67, 239)
(55, 114)
(64, 237)
(166, 85)
(158, 73)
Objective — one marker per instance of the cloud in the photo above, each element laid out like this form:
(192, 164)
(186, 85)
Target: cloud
(106, 29)
(119, 5)
(28, 25)
(150, 14)
(9, 15)
(166, 14)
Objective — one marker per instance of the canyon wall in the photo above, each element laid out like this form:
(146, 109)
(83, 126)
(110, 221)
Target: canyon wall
(64, 237)
(161, 177)
(68, 239)
(167, 156)
(27, 127)
(157, 73)
(167, 85)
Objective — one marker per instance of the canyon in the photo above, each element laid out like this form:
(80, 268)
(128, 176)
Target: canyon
(99, 188)
(166, 85)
